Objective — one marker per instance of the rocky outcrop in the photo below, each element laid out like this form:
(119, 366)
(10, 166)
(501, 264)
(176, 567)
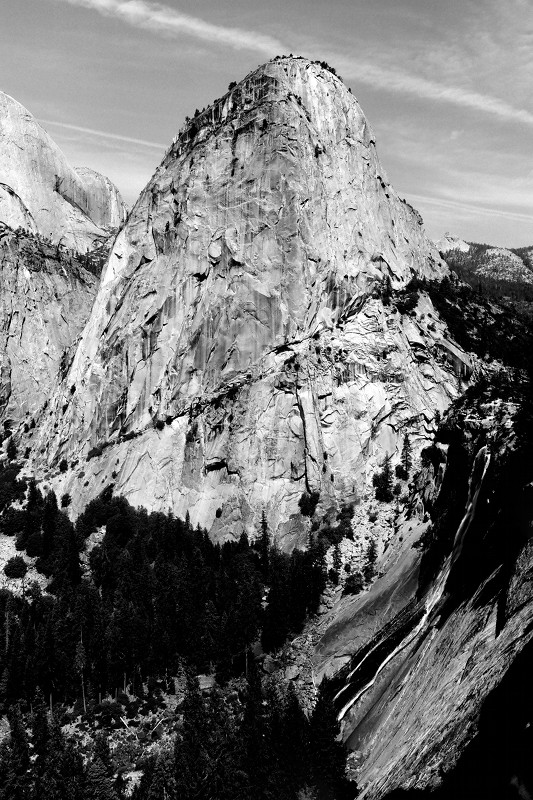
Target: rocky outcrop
(243, 348)
(46, 296)
(41, 193)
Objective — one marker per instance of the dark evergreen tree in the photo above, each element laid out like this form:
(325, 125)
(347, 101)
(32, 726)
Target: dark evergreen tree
(190, 754)
(102, 752)
(11, 449)
(296, 744)
(62, 777)
(98, 785)
(163, 781)
(256, 756)
(337, 564)
(16, 568)
(383, 481)
(406, 455)
(371, 557)
(49, 518)
(327, 754)
(264, 547)
(16, 784)
(276, 616)
(40, 732)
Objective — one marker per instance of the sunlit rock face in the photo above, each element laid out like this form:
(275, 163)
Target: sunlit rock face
(503, 265)
(46, 297)
(240, 351)
(41, 193)
(103, 205)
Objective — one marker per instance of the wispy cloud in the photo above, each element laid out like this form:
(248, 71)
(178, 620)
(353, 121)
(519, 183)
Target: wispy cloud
(467, 208)
(394, 80)
(165, 20)
(104, 134)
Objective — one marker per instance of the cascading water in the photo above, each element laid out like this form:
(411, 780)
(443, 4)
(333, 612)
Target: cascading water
(480, 466)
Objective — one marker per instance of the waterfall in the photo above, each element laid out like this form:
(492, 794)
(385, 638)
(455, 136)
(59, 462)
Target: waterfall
(435, 595)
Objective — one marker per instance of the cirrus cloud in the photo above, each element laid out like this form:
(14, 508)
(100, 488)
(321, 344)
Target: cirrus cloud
(165, 20)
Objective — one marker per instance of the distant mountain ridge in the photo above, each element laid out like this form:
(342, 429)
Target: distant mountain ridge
(450, 242)
(503, 274)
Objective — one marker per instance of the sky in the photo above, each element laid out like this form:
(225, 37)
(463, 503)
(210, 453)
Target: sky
(446, 85)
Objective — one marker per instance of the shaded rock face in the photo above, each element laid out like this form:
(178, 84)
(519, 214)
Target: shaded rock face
(41, 193)
(425, 651)
(103, 204)
(45, 299)
(240, 352)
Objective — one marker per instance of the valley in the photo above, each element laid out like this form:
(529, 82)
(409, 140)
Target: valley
(265, 474)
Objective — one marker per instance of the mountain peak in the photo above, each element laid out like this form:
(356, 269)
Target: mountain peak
(450, 242)
(275, 79)
(42, 193)
(240, 311)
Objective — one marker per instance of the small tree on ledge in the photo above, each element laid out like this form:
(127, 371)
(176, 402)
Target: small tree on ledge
(407, 457)
(382, 482)
(16, 569)
(308, 503)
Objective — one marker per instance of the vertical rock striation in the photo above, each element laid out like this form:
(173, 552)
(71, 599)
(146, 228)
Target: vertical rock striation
(46, 297)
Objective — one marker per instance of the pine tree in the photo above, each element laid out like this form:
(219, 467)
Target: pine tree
(80, 661)
(371, 557)
(276, 616)
(264, 547)
(383, 482)
(63, 776)
(99, 785)
(40, 731)
(256, 755)
(102, 751)
(337, 563)
(11, 449)
(406, 456)
(328, 755)
(163, 783)
(16, 569)
(182, 771)
(190, 757)
(73, 774)
(17, 778)
(48, 525)
(295, 741)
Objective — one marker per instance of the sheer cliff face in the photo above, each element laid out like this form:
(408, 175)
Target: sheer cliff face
(40, 192)
(45, 299)
(238, 352)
